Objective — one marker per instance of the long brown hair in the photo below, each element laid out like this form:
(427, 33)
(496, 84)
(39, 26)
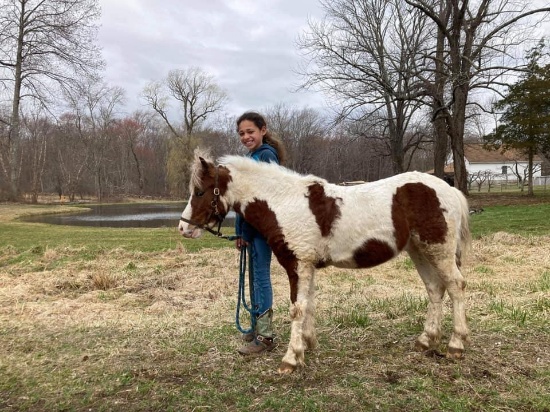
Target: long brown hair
(269, 138)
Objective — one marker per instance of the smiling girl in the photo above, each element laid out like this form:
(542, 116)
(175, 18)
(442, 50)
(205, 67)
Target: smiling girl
(263, 147)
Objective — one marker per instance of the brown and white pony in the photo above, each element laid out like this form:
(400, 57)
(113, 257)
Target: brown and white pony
(310, 223)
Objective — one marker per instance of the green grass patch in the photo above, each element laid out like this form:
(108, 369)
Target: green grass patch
(354, 318)
(542, 284)
(534, 314)
(483, 270)
(525, 220)
(37, 236)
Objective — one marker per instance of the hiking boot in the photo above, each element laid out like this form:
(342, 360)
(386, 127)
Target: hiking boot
(259, 345)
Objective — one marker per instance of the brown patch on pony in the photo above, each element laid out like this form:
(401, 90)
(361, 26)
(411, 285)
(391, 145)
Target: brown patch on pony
(324, 208)
(259, 215)
(416, 208)
(207, 185)
(237, 208)
(208, 177)
(372, 253)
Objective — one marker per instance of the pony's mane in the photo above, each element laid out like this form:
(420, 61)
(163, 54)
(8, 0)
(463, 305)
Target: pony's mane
(242, 164)
(248, 165)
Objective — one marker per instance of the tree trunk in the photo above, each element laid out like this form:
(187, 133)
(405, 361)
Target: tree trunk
(15, 127)
(530, 191)
(99, 188)
(439, 111)
(458, 119)
(138, 169)
(461, 175)
(38, 164)
(440, 146)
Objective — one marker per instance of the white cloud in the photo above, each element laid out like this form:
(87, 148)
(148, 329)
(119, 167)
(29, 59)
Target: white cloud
(248, 45)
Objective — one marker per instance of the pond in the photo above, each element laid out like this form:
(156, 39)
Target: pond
(122, 215)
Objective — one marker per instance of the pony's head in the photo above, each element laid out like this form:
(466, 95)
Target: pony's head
(205, 208)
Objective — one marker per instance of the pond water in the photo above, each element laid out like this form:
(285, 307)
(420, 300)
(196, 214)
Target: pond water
(123, 215)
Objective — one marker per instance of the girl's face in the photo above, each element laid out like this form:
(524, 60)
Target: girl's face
(251, 136)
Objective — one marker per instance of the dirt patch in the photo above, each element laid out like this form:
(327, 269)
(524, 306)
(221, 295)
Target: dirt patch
(478, 200)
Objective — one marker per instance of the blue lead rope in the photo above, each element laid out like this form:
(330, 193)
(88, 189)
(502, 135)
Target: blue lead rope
(241, 298)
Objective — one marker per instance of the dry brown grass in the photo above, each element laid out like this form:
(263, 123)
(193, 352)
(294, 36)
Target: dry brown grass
(201, 287)
(177, 279)
(126, 319)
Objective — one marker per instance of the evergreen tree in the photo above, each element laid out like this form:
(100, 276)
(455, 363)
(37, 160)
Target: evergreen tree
(525, 121)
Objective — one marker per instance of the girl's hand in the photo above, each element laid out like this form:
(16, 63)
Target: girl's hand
(240, 242)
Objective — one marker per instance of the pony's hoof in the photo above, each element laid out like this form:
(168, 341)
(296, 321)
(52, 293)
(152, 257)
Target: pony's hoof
(421, 346)
(455, 353)
(286, 368)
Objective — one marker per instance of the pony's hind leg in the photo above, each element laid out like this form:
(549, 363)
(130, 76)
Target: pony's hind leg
(455, 287)
(302, 332)
(435, 287)
(440, 272)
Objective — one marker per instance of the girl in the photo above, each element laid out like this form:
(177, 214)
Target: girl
(262, 147)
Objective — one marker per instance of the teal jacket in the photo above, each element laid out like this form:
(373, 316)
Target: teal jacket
(264, 153)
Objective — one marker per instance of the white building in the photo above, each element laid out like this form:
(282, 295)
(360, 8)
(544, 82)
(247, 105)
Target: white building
(501, 166)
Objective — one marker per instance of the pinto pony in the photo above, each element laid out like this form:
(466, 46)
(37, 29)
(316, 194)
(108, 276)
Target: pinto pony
(310, 223)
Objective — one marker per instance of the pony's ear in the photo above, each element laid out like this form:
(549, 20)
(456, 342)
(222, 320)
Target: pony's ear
(204, 163)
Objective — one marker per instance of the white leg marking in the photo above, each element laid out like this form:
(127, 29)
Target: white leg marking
(309, 335)
(461, 333)
(431, 335)
(301, 313)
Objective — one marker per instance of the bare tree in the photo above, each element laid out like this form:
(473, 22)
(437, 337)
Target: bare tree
(362, 54)
(71, 155)
(36, 130)
(95, 105)
(196, 92)
(522, 172)
(474, 50)
(471, 177)
(131, 135)
(298, 129)
(43, 45)
(492, 179)
(198, 97)
(480, 177)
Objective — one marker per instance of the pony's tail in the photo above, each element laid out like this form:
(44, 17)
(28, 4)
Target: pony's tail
(465, 238)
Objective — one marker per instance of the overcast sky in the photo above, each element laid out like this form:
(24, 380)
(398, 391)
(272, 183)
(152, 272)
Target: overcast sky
(247, 45)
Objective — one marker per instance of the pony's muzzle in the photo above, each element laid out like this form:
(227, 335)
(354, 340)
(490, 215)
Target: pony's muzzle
(189, 231)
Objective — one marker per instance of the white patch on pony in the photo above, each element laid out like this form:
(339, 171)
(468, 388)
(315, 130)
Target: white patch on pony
(185, 229)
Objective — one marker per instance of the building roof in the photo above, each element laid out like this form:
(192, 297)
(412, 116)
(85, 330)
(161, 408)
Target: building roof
(476, 153)
(448, 170)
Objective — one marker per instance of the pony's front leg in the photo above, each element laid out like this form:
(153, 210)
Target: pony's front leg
(302, 329)
(309, 335)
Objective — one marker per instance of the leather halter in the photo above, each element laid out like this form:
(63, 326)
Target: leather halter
(214, 212)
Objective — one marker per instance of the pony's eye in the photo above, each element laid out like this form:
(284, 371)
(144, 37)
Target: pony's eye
(199, 193)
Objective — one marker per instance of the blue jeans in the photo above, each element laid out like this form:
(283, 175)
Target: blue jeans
(259, 265)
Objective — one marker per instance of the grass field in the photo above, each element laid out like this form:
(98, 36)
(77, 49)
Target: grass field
(143, 320)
